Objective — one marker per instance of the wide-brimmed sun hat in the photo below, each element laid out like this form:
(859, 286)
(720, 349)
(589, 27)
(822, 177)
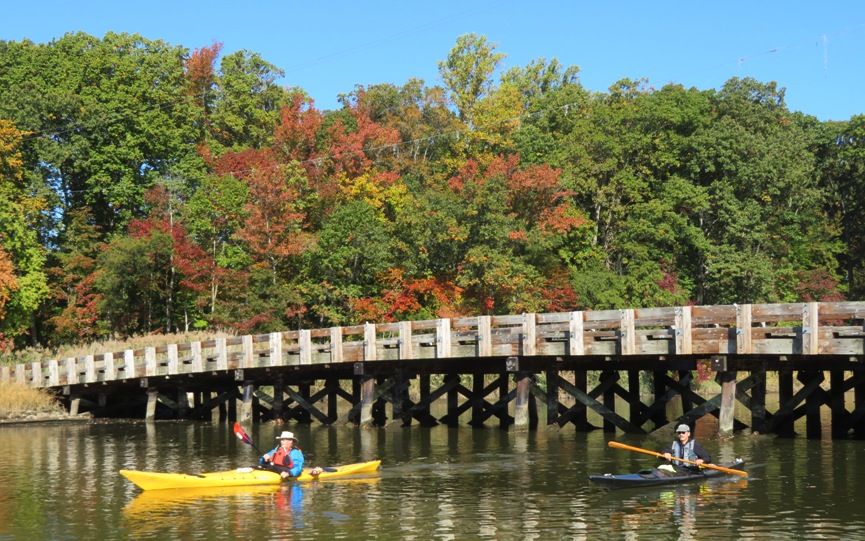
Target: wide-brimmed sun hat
(286, 435)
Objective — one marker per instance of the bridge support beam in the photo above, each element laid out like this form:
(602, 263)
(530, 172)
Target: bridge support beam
(367, 397)
(182, 403)
(152, 397)
(521, 403)
(246, 405)
(727, 381)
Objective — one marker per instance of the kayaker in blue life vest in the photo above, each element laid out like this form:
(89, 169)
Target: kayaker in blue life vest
(286, 458)
(686, 448)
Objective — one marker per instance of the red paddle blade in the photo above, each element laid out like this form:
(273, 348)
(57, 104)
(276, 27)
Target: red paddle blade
(241, 435)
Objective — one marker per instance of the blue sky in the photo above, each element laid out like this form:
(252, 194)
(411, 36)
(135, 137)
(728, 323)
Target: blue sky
(816, 50)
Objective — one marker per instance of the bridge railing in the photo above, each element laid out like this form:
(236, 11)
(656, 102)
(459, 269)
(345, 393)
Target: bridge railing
(758, 329)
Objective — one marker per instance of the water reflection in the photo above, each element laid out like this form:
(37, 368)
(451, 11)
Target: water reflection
(61, 482)
(685, 512)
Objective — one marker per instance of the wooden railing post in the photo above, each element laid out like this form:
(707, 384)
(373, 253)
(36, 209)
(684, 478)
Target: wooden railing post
(304, 341)
(576, 346)
(529, 336)
(810, 328)
(110, 369)
(743, 329)
(150, 361)
(369, 345)
(173, 360)
(485, 336)
(36, 379)
(626, 330)
(128, 363)
(54, 372)
(247, 358)
(71, 371)
(275, 349)
(405, 342)
(682, 330)
(221, 354)
(443, 338)
(336, 344)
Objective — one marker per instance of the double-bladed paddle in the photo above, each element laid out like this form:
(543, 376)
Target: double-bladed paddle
(654, 453)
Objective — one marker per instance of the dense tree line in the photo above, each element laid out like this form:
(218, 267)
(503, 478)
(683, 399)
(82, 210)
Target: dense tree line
(146, 188)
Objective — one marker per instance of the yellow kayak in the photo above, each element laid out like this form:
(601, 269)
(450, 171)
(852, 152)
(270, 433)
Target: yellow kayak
(238, 477)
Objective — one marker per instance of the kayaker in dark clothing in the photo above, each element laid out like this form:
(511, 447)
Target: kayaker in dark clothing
(687, 448)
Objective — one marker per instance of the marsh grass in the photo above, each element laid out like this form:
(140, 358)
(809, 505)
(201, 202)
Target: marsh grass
(17, 399)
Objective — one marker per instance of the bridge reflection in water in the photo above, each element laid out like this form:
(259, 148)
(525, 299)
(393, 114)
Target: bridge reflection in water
(496, 369)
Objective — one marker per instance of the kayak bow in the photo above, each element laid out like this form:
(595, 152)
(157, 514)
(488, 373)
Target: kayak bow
(239, 477)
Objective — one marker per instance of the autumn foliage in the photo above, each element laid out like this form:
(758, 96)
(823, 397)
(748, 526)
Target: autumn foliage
(158, 190)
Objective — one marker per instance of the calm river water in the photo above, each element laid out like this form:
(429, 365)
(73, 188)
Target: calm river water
(60, 482)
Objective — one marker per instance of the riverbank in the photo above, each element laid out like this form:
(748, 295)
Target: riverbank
(21, 404)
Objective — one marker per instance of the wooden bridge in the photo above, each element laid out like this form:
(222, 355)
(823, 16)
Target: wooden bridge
(497, 368)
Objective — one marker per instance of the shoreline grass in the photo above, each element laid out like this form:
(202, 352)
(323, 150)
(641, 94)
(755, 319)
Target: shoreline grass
(17, 400)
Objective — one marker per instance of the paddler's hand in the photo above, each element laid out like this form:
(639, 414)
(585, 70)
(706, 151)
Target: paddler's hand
(699, 461)
(668, 456)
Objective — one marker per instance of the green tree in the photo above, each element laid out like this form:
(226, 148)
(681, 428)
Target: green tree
(844, 176)
(109, 118)
(23, 285)
(248, 102)
(766, 219)
(468, 72)
(353, 250)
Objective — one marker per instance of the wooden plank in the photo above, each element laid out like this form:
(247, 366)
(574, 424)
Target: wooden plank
(656, 317)
(772, 313)
(830, 311)
(506, 321)
(714, 315)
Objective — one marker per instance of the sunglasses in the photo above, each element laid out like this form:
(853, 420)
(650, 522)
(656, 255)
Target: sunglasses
(681, 432)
